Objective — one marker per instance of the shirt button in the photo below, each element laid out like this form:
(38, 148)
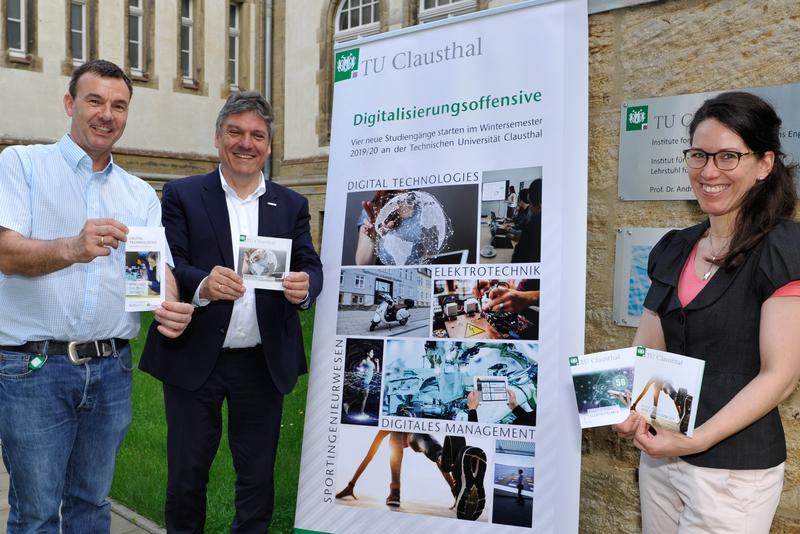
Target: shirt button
(222, 331)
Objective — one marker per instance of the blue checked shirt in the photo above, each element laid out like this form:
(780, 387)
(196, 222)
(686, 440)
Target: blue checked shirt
(47, 192)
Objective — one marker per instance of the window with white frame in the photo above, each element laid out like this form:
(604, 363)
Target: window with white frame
(430, 10)
(357, 18)
(187, 37)
(77, 27)
(16, 28)
(234, 16)
(136, 36)
(359, 281)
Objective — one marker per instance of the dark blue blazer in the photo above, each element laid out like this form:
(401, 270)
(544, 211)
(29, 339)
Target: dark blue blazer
(195, 217)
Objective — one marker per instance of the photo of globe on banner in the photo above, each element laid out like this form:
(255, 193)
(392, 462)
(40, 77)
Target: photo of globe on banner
(430, 225)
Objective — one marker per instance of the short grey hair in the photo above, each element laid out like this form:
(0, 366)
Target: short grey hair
(244, 101)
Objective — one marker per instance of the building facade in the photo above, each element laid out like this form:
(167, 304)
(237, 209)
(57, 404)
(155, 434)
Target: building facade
(183, 56)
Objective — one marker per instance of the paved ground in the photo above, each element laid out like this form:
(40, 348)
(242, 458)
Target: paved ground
(356, 323)
(123, 520)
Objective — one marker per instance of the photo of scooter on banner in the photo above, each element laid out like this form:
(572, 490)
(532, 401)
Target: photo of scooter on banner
(391, 302)
(391, 310)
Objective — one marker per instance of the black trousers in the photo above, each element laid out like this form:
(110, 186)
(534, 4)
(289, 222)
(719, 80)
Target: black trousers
(194, 427)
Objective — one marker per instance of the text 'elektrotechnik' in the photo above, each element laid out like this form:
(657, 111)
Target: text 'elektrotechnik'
(454, 109)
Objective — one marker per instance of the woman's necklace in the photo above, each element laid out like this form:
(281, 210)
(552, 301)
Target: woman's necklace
(711, 264)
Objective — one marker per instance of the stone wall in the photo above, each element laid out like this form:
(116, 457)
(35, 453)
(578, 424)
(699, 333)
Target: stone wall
(665, 48)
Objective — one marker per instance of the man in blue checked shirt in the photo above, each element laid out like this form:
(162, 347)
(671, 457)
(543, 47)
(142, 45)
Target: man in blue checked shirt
(65, 361)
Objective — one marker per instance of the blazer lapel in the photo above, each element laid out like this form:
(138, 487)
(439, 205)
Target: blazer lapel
(718, 283)
(267, 211)
(217, 209)
(716, 286)
(268, 218)
(671, 262)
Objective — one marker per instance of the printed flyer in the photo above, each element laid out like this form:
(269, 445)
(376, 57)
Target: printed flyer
(603, 384)
(145, 288)
(666, 389)
(263, 261)
(661, 386)
(455, 225)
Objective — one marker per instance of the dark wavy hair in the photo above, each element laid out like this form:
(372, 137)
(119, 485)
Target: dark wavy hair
(769, 201)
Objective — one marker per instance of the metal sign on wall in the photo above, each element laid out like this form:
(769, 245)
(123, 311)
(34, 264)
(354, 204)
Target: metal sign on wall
(654, 132)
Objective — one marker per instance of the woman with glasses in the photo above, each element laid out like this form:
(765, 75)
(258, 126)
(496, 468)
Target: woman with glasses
(727, 291)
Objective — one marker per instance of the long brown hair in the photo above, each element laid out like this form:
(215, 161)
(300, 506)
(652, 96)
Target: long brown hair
(769, 201)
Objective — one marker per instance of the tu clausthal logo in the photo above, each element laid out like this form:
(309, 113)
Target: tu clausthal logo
(345, 65)
(636, 118)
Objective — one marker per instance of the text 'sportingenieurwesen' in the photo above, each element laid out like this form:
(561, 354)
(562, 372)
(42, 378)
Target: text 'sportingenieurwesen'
(454, 255)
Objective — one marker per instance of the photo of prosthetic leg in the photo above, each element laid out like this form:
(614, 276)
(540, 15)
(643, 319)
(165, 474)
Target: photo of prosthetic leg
(680, 398)
(461, 466)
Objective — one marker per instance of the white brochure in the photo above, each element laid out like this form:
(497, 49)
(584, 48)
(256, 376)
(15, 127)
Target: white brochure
(263, 262)
(672, 379)
(660, 386)
(145, 285)
(603, 386)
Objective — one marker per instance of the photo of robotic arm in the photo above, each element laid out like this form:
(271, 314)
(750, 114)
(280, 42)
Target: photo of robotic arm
(438, 385)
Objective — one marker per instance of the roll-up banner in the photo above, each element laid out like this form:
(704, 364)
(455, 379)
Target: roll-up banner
(454, 243)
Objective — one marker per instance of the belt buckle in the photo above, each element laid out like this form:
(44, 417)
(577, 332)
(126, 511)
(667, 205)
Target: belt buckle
(72, 352)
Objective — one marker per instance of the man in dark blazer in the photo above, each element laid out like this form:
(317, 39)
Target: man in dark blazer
(243, 345)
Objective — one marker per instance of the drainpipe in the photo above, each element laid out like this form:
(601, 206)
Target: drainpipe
(268, 72)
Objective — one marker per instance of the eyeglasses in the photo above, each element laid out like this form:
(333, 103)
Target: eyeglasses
(725, 160)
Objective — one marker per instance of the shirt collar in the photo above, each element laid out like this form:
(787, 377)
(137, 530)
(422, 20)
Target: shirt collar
(74, 155)
(260, 190)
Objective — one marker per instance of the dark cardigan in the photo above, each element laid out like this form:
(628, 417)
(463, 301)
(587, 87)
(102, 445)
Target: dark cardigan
(721, 326)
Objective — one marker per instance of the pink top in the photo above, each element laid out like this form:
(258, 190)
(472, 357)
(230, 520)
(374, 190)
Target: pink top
(689, 284)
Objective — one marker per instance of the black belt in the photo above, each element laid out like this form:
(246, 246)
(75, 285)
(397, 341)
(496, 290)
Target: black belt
(77, 351)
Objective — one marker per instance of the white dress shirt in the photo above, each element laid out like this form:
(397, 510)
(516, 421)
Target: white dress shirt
(243, 217)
